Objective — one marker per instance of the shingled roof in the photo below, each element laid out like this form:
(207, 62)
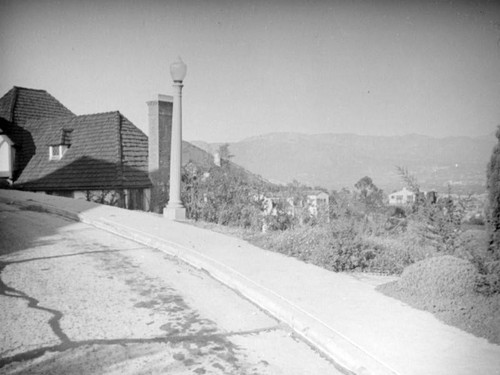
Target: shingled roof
(21, 104)
(106, 152)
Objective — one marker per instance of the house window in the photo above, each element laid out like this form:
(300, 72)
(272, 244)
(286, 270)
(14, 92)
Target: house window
(57, 152)
(54, 153)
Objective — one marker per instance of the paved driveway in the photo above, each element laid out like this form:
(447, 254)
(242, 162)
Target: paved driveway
(77, 300)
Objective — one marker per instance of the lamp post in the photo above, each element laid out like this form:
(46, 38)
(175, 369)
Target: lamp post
(175, 209)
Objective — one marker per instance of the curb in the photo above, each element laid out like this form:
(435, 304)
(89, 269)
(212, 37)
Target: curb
(345, 354)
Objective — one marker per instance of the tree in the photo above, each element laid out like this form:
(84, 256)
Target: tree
(223, 195)
(439, 222)
(493, 203)
(369, 194)
(224, 154)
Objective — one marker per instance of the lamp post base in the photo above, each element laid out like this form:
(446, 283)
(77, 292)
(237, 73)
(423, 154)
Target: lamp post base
(174, 213)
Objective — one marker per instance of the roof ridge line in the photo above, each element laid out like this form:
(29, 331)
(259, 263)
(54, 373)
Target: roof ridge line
(28, 88)
(13, 104)
(100, 113)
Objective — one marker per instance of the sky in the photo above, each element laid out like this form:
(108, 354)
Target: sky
(255, 67)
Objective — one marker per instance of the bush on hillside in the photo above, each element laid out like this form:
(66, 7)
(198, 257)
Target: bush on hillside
(488, 282)
(346, 248)
(475, 249)
(443, 276)
(493, 206)
(340, 245)
(439, 223)
(445, 286)
(396, 252)
(223, 196)
(369, 195)
(280, 220)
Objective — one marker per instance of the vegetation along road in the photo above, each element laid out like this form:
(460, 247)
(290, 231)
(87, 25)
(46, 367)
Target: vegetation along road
(77, 300)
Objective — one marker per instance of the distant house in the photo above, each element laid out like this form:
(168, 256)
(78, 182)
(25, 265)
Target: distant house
(99, 156)
(313, 200)
(402, 197)
(273, 202)
(317, 200)
(406, 197)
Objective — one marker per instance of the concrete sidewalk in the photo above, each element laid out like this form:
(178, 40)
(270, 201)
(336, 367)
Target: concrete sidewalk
(360, 329)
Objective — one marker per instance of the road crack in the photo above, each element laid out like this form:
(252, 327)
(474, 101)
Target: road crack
(54, 321)
(219, 338)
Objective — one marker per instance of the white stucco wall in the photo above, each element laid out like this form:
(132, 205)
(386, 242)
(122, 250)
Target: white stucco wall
(401, 197)
(6, 156)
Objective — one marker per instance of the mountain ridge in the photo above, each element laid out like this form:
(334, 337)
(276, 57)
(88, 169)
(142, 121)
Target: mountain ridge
(337, 160)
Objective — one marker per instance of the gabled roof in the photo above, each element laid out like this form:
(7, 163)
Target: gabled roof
(21, 104)
(315, 192)
(107, 152)
(404, 190)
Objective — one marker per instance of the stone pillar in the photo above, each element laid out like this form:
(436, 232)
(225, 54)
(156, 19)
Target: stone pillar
(175, 209)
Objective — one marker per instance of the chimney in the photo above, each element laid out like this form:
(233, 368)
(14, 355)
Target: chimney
(217, 158)
(160, 135)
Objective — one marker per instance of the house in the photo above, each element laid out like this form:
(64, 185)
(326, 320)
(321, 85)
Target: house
(407, 197)
(272, 203)
(317, 201)
(101, 156)
(402, 197)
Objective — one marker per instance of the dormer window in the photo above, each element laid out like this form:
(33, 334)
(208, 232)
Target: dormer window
(57, 152)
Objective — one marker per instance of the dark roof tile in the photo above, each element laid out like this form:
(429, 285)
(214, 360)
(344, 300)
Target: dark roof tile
(94, 158)
(22, 104)
(7, 104)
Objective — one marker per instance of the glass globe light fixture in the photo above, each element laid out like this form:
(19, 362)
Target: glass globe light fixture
(178, 70)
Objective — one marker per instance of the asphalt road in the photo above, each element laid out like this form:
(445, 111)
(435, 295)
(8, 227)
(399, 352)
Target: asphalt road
(78, 300)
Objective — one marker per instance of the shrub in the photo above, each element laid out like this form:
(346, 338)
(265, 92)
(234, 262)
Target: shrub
(488, 282)
(350, 243)
(107, 197)
(223, 196)
(300, 242)
(443, 276)
(439, 223)
(337, 246)
(369, 195)
(395, 252)
(347, 249)
(280, 219)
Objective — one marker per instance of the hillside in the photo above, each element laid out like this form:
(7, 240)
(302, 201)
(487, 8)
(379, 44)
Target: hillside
(340, 160)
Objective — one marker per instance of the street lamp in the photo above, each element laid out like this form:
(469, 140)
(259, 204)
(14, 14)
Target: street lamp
(175, 209)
